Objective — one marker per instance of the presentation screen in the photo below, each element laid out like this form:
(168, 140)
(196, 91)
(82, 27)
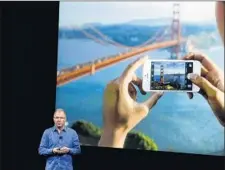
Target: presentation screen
(97, 44)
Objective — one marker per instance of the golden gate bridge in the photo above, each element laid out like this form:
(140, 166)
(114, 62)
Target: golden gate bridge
(157, 41)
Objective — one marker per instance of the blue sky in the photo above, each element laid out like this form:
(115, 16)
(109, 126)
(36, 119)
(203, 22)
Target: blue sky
(169, 68)
(78, 13)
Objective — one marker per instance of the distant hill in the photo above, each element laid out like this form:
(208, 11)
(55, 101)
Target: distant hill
(93, 24)
(151, 22)
(136, 32)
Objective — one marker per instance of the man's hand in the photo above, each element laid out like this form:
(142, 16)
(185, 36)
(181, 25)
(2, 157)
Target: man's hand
(64, 150)
(121, 112)
(55, 150)
(211, 83)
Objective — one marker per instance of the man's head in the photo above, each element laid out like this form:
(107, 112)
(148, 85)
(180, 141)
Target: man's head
(220, 18)
(59, 118)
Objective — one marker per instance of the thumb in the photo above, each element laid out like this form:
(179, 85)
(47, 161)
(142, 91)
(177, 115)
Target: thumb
(153, 99)
(203, 84)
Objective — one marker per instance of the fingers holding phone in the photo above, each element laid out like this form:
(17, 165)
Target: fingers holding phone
(209, 70)
(211, 84)
(121, 111)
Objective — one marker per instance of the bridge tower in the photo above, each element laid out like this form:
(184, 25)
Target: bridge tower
(162, 74)
(176, 31)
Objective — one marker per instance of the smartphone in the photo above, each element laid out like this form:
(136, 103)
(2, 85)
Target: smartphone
(170, 75)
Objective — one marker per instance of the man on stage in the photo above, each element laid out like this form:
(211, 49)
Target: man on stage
(59, 143)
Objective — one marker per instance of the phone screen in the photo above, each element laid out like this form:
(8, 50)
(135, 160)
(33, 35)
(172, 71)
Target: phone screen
(168, 75)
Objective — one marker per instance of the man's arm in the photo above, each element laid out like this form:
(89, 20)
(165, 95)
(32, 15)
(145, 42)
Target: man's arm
(76, 145)
(43, 148)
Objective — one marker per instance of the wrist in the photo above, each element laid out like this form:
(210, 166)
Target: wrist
(112, 138)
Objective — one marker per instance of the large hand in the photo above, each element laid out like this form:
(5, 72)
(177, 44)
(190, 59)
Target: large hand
(211, 83)
(121, 112)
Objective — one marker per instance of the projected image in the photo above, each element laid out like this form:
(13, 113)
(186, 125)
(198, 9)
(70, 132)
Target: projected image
(99, 40)
(171, 76)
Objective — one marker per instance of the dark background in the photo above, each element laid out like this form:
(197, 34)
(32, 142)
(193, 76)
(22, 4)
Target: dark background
(29, 32)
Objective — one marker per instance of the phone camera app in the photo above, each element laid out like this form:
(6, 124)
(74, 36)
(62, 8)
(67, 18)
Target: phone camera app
(171, 76)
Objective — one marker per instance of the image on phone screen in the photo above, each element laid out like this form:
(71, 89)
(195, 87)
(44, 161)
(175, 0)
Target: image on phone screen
(171, 75)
